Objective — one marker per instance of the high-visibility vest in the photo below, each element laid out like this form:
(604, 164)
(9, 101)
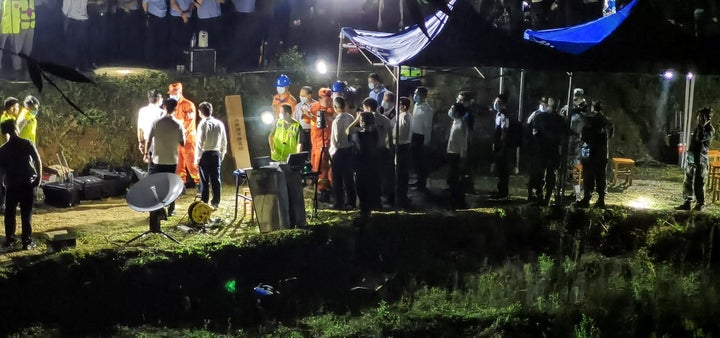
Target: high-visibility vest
(18, 15)
(27, 123)
(285, 139)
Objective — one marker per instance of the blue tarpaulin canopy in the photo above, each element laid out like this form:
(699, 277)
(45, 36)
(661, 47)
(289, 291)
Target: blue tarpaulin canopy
(462, 39)
(636, 39)
(580, 38)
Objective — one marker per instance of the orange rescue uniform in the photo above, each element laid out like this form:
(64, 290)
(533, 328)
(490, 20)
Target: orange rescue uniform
(280, 99)
(185, 113)
(316, 140)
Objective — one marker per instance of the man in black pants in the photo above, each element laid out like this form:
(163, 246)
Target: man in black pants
(597, 130)
(210, 149)
(22, 166)
(548, 131)
(402, 142)
(165, 135)
(421, 125)
(502, 148)
(367, 159)
(696, 165)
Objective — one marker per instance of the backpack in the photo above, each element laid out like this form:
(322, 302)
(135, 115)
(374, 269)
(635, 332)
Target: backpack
(514, 134)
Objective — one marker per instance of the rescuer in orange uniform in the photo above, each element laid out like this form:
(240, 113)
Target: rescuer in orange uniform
(185, 114)
(283, 96)
(317, 135)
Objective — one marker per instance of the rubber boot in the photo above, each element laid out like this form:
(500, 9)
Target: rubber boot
(685, 206)
(600, 203)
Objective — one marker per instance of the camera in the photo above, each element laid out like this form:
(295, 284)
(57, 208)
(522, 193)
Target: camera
(321, 120)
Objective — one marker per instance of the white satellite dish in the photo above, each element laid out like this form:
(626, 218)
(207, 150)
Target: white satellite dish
(153, 193)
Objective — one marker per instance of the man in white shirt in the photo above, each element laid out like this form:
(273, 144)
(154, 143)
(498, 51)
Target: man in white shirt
(456, 153)
(164, 137)
(147, 116)
(421, 128)
(76, 33)
(342, 157)
(403, 151)
(302, 115)
(210, 149)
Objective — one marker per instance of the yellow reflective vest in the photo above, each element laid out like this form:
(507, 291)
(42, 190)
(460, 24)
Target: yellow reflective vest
(27, 124)
(17, 15)
(285, 139)
(7, 116)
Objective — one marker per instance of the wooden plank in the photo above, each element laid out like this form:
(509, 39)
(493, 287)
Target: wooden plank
(237, 137)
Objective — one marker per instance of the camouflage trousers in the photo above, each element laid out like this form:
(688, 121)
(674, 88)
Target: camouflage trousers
(694, 184)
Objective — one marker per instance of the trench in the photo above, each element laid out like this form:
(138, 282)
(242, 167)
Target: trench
(341, 269)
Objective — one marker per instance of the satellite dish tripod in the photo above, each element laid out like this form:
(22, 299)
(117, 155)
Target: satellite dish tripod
(140, 199)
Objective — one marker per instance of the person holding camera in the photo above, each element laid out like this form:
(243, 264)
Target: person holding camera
(322, 115)
(696, 162)
(596, 132)
(363, 131)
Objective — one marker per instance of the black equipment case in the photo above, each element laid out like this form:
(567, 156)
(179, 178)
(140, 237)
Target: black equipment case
(61, 195)
(93, 188)
(118, 181)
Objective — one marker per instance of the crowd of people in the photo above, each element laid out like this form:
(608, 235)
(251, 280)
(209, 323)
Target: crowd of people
(363, 158)
(245, 34)
(357, 154)
(172, 140)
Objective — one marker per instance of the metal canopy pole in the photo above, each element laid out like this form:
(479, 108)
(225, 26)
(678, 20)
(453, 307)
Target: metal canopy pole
(397, 137)
(565, 147)
(521, 101)
(339, 59)
(691, 103)
(502, 80)
(686, 123)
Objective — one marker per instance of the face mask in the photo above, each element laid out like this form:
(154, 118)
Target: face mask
(542, 108)
(174, 97)
(281, 116)
(34, 112)
(371, 86)
(496, 106)
(385, 105)
(303, 99)
(416, 98)
(458, 100)
(281, 90)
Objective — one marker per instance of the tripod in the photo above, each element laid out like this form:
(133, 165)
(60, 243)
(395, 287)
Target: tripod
(321, 125)
(154, 227)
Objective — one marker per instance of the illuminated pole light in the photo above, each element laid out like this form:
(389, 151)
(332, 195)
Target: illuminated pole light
(668, 75)
(690, 76)
(267, 117)
(321, 67)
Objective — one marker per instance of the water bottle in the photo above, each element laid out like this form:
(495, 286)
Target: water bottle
(192, 41)
(585, 151)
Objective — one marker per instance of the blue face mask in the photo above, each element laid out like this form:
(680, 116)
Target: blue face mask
(416, 98)
(496, 106)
